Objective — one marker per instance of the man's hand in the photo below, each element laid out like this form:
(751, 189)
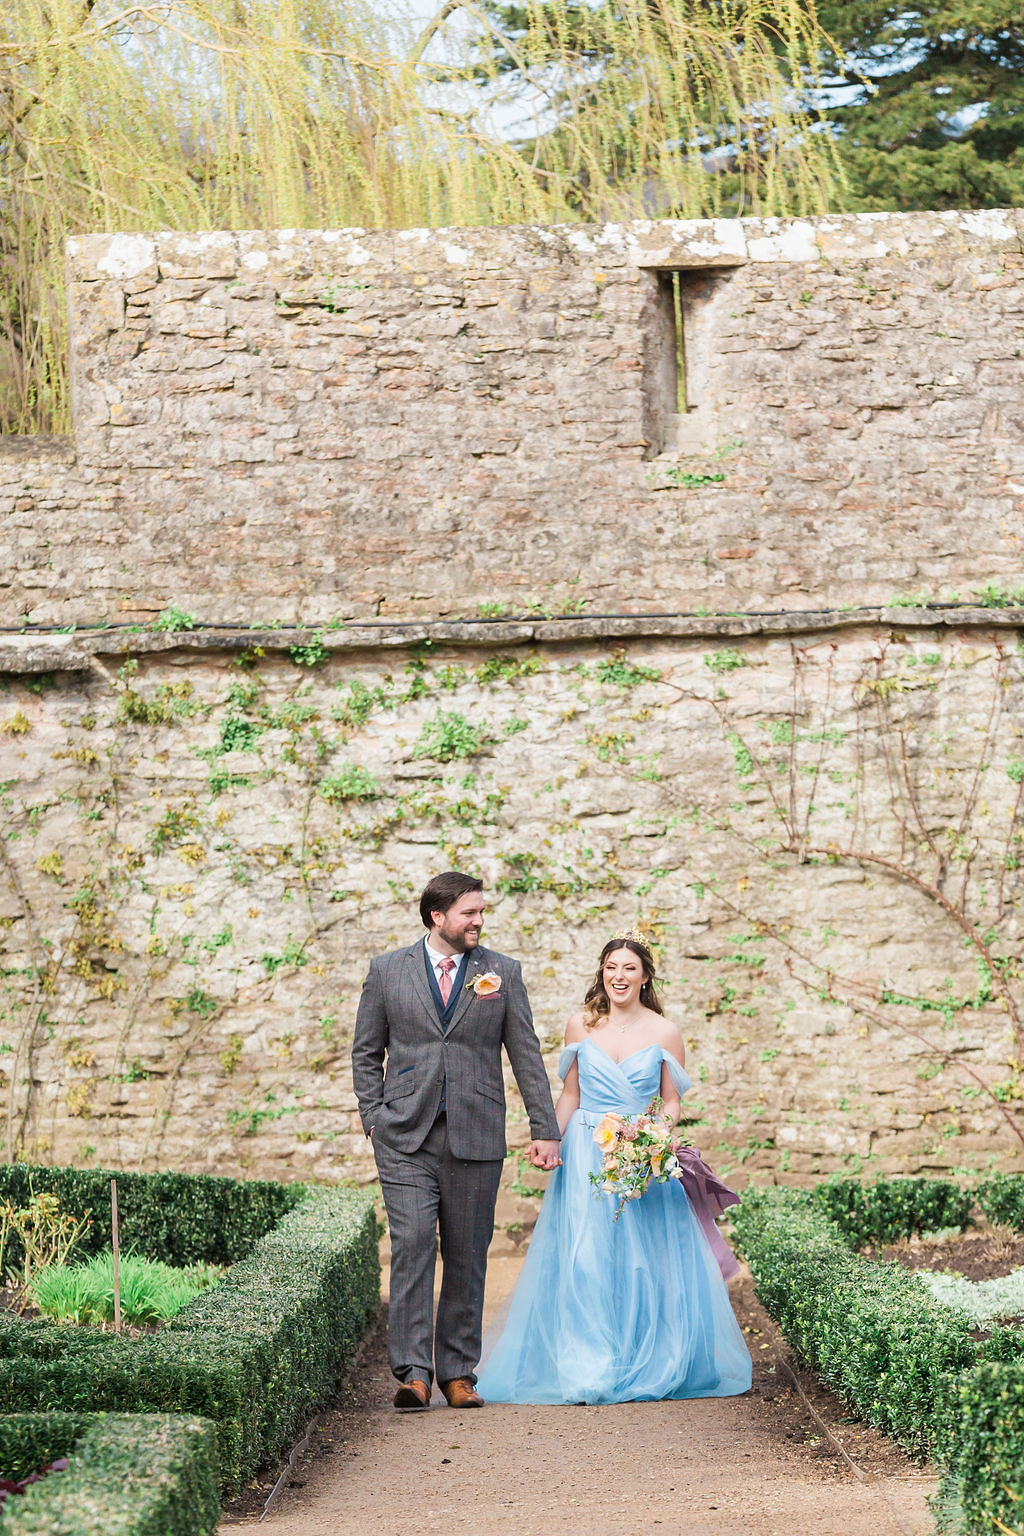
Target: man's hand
(544, 1154)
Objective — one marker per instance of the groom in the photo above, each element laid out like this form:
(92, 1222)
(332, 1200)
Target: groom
(426, 1065)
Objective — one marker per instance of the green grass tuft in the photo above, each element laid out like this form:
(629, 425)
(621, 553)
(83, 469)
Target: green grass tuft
(151, 1292)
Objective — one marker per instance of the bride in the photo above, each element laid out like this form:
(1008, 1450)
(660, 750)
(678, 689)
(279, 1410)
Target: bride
(614, 1310)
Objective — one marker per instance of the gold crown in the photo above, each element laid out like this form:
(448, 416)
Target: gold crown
(636, 935)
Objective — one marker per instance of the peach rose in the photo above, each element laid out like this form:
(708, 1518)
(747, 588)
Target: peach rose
(487, 984)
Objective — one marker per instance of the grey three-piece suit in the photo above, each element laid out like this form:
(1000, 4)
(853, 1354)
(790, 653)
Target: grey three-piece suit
(430, 1088)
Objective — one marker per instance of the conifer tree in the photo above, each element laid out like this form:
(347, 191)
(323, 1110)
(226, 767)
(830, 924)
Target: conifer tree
(928, 102)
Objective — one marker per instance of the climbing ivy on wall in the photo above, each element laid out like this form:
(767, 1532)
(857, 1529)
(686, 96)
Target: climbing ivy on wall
(919, 788)
(824, 843)
(162, 795)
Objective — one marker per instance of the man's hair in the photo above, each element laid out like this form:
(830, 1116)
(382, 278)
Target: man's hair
(444, 891)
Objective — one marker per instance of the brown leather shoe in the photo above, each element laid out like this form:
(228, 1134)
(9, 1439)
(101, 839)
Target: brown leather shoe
(461, 1393)
(413, 1395)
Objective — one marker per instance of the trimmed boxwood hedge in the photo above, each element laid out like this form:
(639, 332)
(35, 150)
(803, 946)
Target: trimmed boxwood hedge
(1002, 1199)
(29, 1441)
(985, 1455)
(256, 1354)
(131, 1475)
(894, 1208)
(181, 1218)
(873, 1332)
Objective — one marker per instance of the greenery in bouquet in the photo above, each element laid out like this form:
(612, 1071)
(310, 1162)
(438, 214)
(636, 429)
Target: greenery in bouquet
(636, 1151)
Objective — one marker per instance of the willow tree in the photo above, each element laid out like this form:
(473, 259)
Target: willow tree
(675, 107)
(206, 114)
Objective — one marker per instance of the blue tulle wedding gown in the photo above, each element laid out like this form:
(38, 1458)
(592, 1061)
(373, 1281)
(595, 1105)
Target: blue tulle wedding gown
(613, 1311)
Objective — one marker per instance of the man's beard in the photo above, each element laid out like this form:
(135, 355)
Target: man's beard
(460, 942)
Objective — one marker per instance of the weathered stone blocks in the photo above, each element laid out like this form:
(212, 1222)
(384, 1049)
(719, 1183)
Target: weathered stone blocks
(315, 426)
(423, 355)
(208, 890)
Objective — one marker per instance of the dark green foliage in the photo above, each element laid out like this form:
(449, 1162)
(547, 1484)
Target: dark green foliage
(238, 734)
(1002, 1344)
(256, 1354)
(986, 1449)
(1002, 1199)
(871, 1330)
(29, 1441)
(181, 1218)
(894, 1208)
(137, 1475)
(874, 1334)
(944, 125)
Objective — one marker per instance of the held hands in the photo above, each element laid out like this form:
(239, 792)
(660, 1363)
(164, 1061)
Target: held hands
(545, 1155)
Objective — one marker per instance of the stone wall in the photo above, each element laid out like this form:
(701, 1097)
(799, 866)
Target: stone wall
(821, 831)
(358, 402)
(330, 463)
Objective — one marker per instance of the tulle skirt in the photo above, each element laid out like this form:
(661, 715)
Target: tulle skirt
(611, 1311)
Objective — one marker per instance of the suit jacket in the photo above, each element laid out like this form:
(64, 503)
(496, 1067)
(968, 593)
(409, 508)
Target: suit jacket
(403, 1056)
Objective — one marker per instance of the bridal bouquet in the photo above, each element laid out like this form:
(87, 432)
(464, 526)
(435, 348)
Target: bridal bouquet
(636, 1152)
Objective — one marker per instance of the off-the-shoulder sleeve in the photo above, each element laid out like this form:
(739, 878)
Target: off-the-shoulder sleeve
(567, 1058)
(681, 1081)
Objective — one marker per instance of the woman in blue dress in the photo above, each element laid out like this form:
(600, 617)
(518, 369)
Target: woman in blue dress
(618, 1310)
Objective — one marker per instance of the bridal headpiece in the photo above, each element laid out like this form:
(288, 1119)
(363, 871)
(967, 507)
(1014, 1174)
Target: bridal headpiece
(635, 935)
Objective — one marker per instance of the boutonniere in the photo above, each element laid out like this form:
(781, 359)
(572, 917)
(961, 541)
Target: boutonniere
(486, 985)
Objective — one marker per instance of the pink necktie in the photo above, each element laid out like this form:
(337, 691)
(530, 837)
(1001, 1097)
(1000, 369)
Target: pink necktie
(445, 979)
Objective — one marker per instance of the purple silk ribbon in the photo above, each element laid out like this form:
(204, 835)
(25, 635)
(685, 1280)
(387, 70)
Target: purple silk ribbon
(709, 1198)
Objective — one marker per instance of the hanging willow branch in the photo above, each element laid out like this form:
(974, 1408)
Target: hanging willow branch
(222, 114)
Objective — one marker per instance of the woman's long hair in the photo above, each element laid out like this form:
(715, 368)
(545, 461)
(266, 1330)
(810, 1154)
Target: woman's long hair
(596, 1004)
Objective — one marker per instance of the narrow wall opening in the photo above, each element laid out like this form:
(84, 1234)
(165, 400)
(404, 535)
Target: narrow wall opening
(678, 353)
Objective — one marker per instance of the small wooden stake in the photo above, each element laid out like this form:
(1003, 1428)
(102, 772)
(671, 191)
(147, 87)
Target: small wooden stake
(116, 1248)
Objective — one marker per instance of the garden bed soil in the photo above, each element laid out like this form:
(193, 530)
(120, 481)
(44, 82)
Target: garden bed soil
(985, 1255)
(988, 1255)
(9, 1303)
(782, 1418)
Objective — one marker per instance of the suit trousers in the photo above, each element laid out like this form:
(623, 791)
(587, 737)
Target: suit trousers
(426, 1192)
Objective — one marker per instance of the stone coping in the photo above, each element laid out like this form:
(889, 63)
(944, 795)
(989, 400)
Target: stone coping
(248, 255)
(33, 650)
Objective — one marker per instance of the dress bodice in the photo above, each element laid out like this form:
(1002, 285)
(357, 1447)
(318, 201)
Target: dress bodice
(625, 1086)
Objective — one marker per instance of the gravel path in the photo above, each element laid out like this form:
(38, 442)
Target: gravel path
(751, 1466)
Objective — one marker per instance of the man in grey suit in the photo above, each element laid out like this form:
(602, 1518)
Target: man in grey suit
(426, 1064)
